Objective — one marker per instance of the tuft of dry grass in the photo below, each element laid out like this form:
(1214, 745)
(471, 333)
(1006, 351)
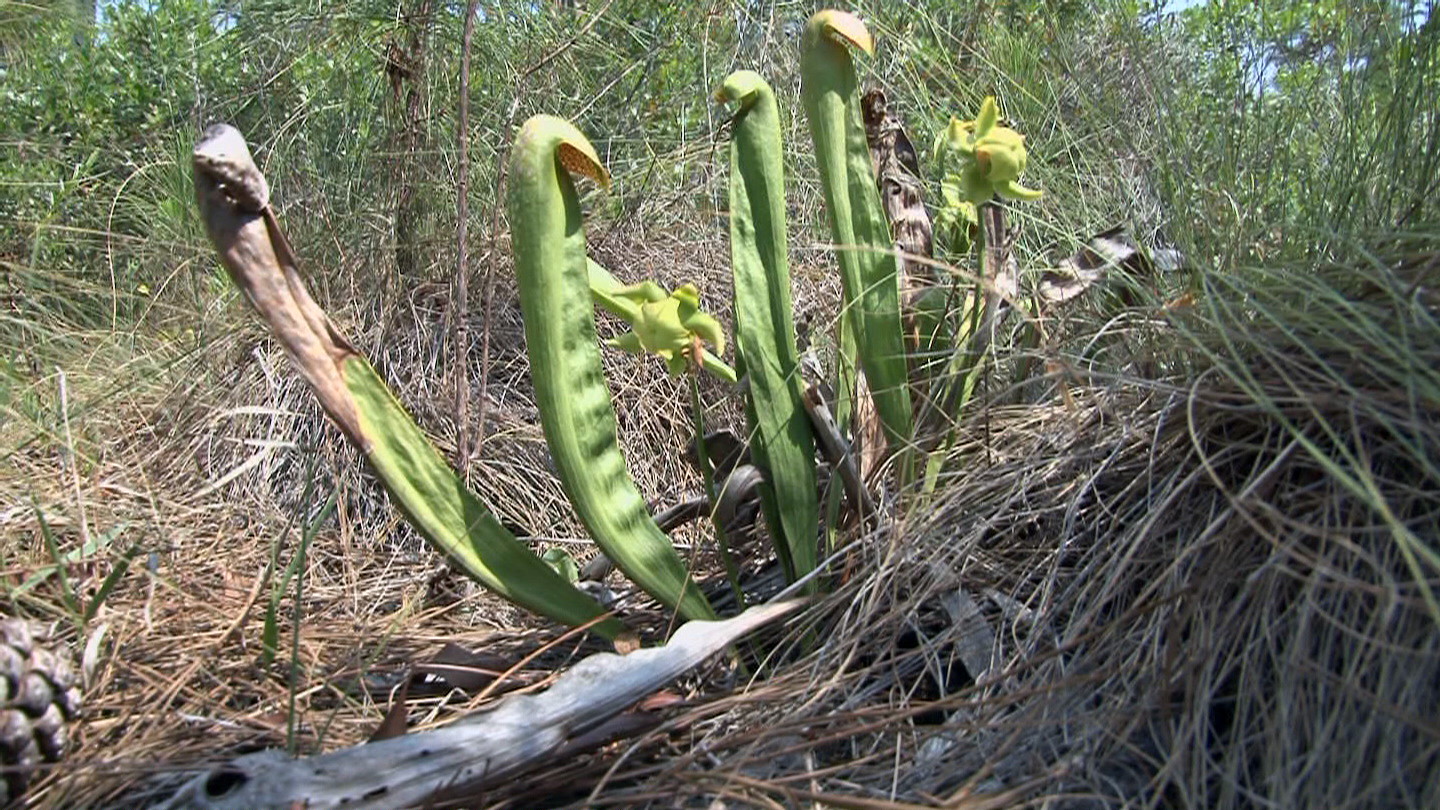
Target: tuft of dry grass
(1210, 589)
(1205, 592)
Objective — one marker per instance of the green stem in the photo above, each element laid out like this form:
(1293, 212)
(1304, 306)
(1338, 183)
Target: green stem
(972, 348)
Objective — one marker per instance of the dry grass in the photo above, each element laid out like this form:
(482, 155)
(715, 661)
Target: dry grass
(1200, 588)
(1188, 613)
(1193, 604)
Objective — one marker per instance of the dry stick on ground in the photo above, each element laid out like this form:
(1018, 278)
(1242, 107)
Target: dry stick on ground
(482, 751)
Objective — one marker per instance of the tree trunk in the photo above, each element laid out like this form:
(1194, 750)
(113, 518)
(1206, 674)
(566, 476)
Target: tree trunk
(407, 73)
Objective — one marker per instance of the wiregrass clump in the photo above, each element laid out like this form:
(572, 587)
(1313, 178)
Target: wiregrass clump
(1182, 596)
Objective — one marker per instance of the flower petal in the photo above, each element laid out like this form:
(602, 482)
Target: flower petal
(1013, 190)
(986, 120)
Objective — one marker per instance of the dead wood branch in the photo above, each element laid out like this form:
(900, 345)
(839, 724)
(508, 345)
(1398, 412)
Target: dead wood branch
(523, 732)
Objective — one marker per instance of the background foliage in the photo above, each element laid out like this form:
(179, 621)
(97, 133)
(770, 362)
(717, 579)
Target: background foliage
(1286, 135)
(1232, 119)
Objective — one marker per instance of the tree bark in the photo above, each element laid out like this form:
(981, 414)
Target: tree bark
(409, 213)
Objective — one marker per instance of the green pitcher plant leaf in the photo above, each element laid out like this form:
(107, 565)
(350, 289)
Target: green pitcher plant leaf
(576, 412)
(783, 445)
(871, 326)
(234, 204)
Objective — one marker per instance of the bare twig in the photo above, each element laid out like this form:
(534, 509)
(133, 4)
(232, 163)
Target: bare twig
(460, 307)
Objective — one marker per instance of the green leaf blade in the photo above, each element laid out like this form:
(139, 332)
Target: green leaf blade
(864, 246)
(442, 508)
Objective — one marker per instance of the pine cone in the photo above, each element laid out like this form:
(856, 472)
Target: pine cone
(38, 696)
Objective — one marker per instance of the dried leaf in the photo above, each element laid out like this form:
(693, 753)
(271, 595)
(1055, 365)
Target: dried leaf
(396, 717)
(627, 643)
(902, 194)
(1078, 272)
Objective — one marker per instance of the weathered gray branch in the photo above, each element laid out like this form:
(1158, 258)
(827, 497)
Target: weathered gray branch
(477, 752)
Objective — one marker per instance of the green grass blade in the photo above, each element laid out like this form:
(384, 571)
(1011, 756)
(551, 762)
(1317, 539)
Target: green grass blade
(292, 715)
(52, 545)
(270, 624)
(108, 584)
(764, 322)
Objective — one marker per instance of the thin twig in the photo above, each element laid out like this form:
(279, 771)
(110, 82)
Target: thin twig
(461, 305)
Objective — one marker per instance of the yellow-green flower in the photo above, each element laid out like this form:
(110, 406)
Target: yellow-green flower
(991, 157)
(671, 327)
